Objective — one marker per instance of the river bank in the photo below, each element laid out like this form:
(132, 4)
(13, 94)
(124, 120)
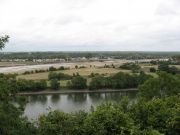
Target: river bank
(47, 92)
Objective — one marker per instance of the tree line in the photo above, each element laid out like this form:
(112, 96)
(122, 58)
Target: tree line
(29, 56)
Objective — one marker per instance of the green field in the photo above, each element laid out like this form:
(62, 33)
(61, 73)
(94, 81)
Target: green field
(82, 71)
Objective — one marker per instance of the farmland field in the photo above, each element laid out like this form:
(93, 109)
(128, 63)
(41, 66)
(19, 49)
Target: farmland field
(81, 71)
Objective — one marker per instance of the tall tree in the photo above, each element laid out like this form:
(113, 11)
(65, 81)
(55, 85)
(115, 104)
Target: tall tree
(3, 41)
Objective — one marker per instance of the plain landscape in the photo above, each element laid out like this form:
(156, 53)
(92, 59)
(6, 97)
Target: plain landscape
(89, 67)
(77, 86)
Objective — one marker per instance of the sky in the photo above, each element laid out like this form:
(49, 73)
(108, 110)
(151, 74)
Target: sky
(91, 25)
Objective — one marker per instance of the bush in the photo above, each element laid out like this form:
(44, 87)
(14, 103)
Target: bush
(97, 82)
(131, 66)
(41, 71)
(52, 68)
(107, 66)
(158, 114)
(30, 85)
(41, 85)
(109, 120)
(54, 84)
(76, 67)
(78, 82)
(59, 76)
(61, 68)
(163, 85)
(153, 70)
(28, 72)
(62, 123)
(118, 81)
(166, 68)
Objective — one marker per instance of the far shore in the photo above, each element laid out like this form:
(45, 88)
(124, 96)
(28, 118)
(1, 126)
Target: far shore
(47, 92)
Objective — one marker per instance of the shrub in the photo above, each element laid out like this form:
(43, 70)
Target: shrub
(52, 68)
(30, 85)
(61, 68)
(131, 66)
(76, 67)
(118, 81)
(59, 76)
(163, 85)
(168, 69)
(153, 70)
(54, 84)
(78, 82)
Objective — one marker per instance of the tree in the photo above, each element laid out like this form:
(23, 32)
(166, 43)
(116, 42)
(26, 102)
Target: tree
(163, 85)
(54, 84)
(30, 85)
(52, 68)
(11, 120)
(165, 67)
(153, 70)
(108, 119)
(59, 76)
(3, 41)
(96, 83)
(60, 123)
(76, 67)
(131, 66)
(158, 114)
(78, 82)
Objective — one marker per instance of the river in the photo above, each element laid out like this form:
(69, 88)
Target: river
(42, 104)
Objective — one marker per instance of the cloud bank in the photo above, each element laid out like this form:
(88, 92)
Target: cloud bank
(91, 25)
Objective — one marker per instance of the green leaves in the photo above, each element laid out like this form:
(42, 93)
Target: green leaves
(109, 119)
(54, 84)
(164, 85)
(3, 41)
(78, 82)
(157, 114)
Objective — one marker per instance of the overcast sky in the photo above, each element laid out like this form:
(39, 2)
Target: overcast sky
(91, 25)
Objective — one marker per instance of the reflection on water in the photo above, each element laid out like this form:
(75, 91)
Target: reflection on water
(40, 104)
(37, 98)
(55, 98)
(81, 97)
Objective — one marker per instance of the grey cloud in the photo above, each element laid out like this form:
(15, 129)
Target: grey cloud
(171, 8)
(75, 4)
(68, 19)
(164, 10)
(82, 25)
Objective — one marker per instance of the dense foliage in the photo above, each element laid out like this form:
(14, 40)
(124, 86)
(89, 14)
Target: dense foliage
(153, 70)
(131, 66)
(153, 113)
(155, 117)
(68, 55)
(3, 41)
(118, 81)
(161, 86)
(30, 85)
(58, 76)
(11, 120)
(54, 84)
(78, 82)
(168, 69)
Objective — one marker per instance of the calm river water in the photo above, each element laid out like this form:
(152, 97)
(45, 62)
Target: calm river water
(42, 104)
